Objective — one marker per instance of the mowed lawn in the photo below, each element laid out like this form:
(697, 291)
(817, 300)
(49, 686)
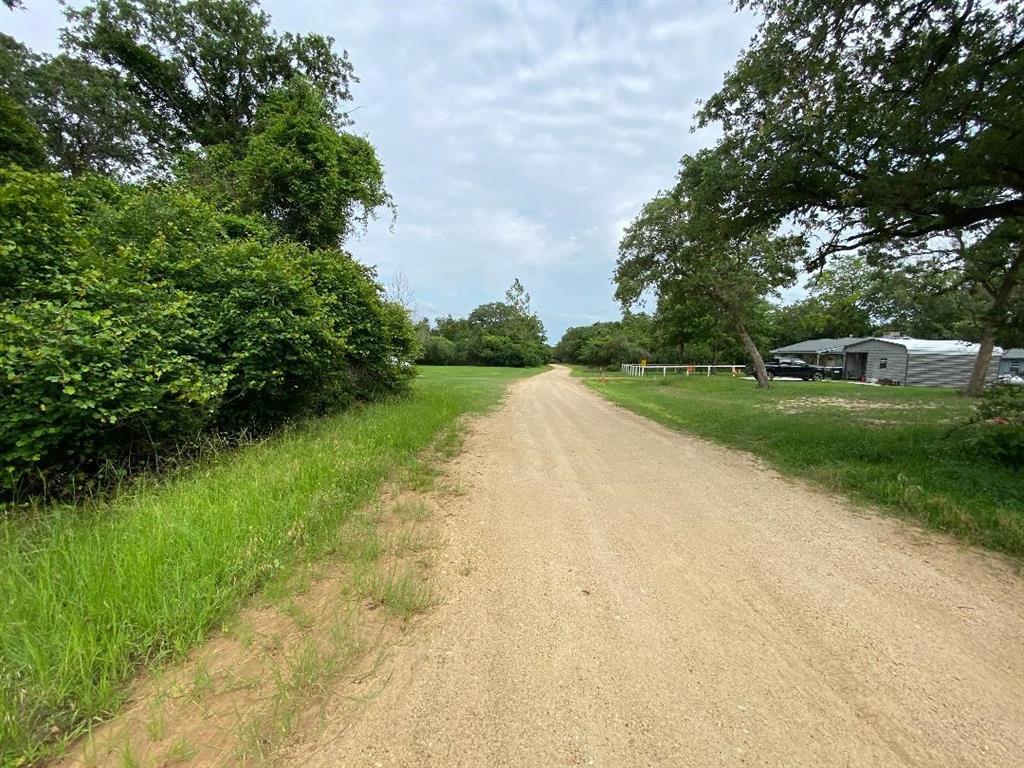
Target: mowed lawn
(89, 595)
(886, 446)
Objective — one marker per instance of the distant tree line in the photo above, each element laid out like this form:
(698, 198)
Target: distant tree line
(849, 297)
(175, 190)
(890, 130)
(501, 333)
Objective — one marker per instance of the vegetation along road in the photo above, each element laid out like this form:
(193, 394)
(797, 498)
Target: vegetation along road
(614, 593)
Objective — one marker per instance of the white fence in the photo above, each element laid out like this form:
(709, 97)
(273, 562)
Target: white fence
(631, 369)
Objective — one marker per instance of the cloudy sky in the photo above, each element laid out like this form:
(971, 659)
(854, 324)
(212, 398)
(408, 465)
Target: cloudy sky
(518, 138)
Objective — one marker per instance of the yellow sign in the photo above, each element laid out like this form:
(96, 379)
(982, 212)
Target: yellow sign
(643, 362)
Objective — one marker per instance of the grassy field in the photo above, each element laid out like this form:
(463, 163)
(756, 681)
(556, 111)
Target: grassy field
(88, 596)
(886, 446)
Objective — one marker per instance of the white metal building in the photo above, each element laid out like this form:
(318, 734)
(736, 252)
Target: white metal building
(915, 362)
(1012, 362)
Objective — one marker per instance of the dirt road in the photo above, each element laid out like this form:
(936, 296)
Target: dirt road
(618, 594)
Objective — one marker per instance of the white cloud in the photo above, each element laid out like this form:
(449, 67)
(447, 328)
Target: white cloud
(519, 138)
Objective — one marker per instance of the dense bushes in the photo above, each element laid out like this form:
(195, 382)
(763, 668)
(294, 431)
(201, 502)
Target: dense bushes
(183, 273)
(504, 334)
(132, 319)
(608, 344)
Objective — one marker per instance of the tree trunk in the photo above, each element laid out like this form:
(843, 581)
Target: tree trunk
(748, 344)
(1000, 302)
(976, 385)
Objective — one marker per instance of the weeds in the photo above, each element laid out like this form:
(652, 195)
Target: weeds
(398, 590)
(99, 591)
(156, 726)
(413, 510)
(180, 751)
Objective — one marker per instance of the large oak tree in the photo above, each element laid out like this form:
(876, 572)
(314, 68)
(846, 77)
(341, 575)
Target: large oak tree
(874, 121)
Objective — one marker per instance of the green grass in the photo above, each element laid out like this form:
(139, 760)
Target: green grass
(887, 446)
(90, 595)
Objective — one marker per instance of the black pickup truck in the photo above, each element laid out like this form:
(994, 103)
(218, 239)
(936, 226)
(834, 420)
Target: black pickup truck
(794, 368)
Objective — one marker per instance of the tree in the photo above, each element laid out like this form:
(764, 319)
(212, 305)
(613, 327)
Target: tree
(876, 121)
(609, 348)
(517, 298)
(498, 333)
(203, 67)
(838, 304)
(297, 169)
(88, 117)
(995, 262)
(20, 140)
(691, 328)
(569, 348)
(682, 243)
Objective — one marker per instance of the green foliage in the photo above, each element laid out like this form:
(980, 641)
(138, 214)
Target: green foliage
(204, 66)
(607, 344)
(504, 334)
(681, 242)
(296, 169)
(89, 119)
(569, 348)
(21, 143)
(995, 430)
(877, 120)
(684, 244)
(887, 124)
(611, 349)
(853, 297)
(133, 319)
(838, 305)
(440, 351)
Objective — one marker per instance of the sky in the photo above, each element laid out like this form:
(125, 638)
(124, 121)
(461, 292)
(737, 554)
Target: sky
(518, 138)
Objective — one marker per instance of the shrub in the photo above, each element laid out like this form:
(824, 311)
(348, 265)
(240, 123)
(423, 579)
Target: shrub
(133, 319)
(610, 348)
(996, 428)
(437, 350)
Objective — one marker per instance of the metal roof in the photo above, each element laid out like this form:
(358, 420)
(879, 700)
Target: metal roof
(1014, 354)
(934, 346)
(819, 346)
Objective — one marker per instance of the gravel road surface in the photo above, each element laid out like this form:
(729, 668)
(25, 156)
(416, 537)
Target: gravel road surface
(617, 594)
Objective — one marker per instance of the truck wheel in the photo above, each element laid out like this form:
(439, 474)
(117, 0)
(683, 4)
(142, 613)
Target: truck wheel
(818, 376)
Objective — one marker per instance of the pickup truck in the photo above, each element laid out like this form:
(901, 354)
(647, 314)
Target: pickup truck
(794, 368)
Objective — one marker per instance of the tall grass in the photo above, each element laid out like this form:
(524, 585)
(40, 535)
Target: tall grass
(88, 595)
(887, 446)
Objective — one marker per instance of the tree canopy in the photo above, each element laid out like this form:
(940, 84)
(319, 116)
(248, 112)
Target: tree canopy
(878, 120)
(684, 243)
(296, 168)
(889, 128)
(500, 333)
(203, 67)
